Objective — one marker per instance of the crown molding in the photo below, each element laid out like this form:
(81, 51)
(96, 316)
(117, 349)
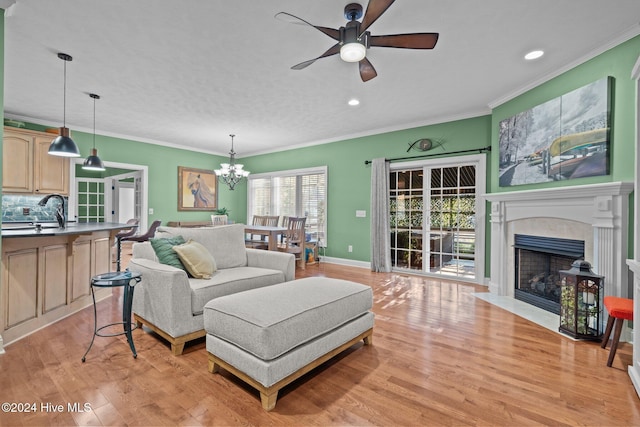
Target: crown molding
(623, 37)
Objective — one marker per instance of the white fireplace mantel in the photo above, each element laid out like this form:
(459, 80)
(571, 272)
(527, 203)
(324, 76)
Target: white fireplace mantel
(604, 207)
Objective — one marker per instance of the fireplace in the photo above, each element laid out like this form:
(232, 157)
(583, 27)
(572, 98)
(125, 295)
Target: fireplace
(595, 213)
(538, 259)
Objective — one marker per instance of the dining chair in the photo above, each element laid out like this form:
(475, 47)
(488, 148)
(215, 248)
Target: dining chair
(271, 221)
(256, 241)
(294, 239)
(285, 224)
(219, 220)
(285, 221)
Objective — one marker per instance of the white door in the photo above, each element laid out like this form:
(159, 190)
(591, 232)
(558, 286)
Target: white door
(90, 200)
(126, 196)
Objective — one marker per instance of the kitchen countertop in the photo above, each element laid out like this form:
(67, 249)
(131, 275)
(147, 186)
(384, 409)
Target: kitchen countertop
(52, 229)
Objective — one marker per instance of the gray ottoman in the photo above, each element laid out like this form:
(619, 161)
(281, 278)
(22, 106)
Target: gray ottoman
(270, 336)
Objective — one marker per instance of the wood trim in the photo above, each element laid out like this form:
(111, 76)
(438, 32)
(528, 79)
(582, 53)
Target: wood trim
(177, 343)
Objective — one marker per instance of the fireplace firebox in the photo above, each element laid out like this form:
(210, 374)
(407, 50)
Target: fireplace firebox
(538, 260)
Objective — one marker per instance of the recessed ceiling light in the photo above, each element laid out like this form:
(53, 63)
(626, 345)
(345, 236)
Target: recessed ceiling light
(534, 54)
(353, 102)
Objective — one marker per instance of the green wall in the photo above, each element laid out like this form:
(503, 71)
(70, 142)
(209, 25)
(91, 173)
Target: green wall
(617, 62)
(162, 163)
(349, 179)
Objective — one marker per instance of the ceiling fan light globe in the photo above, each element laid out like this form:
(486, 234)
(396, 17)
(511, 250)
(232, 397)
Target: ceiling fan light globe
(353, 52)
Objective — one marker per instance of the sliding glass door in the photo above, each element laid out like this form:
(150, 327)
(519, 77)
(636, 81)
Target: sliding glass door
(434, 218)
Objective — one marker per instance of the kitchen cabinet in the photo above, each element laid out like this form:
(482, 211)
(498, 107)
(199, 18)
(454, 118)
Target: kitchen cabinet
(46, 278)
(27, 168)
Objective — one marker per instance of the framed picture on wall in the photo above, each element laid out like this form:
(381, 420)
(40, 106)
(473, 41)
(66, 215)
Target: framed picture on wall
(567, 137)
(197, 189)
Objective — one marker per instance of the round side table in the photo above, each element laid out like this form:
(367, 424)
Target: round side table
(127, 279)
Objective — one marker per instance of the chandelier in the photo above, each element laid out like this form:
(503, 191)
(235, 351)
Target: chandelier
(231, 173)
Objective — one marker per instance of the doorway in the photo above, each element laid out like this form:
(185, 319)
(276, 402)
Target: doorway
(437, 217)
(122, 194)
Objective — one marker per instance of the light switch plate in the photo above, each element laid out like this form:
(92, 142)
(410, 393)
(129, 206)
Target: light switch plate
(361, 214)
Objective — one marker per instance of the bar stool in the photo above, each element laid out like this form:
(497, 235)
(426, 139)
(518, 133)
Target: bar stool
(619, 309)
(127, 279)
(127, 232)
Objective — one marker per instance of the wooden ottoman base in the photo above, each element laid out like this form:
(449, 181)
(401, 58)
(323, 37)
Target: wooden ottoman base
(269, 395)
(271, 336)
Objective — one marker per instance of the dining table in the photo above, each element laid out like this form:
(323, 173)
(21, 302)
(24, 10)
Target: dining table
(272, 232)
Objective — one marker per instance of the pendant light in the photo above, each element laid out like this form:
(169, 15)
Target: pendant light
(93, 162)
(63, 145)
(231, 173)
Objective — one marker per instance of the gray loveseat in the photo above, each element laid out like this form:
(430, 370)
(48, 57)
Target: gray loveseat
(171, 304)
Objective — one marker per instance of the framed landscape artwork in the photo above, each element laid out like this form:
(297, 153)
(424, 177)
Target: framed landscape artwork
(565, 138)
(197, 189)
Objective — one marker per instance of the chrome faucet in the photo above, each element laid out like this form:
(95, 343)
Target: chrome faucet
(60, 216)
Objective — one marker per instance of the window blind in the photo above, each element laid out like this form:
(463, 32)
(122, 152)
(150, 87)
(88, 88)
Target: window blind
(300, 193)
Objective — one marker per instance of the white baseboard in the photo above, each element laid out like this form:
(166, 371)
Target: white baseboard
(635, 378)
(344, 261)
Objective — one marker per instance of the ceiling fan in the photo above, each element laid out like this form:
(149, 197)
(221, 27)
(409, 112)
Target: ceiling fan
(353, 39)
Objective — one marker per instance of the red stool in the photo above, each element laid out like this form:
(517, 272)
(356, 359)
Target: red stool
(620, 309)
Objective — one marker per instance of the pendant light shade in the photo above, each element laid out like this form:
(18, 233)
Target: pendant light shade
(93, 162)
(63, 145)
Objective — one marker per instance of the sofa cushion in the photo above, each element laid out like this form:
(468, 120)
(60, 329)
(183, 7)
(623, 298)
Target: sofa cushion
(270, 321)
(225, 243)
(230, 280)
(196, 259)
(164, 250)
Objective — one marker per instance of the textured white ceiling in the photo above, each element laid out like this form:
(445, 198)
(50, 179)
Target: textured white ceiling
(189, 73)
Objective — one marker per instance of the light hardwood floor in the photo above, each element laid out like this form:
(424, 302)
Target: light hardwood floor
(440, 356)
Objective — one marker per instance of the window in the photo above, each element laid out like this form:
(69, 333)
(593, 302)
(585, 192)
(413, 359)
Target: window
(300, 192)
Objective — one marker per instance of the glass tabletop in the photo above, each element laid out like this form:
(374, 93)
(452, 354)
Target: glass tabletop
(115, 278)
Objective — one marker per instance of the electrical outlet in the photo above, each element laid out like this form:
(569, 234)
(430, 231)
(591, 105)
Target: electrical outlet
(350, 248)
(150, 211)
(361, 214)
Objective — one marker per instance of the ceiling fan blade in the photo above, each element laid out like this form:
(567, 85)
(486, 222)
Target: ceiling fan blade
(406, 41)
(375, 8)
(292, 19)
(367, 72)
(332, 51)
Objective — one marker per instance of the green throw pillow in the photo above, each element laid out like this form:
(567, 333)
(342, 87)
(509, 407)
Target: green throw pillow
(163, 247)
(197, 259)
